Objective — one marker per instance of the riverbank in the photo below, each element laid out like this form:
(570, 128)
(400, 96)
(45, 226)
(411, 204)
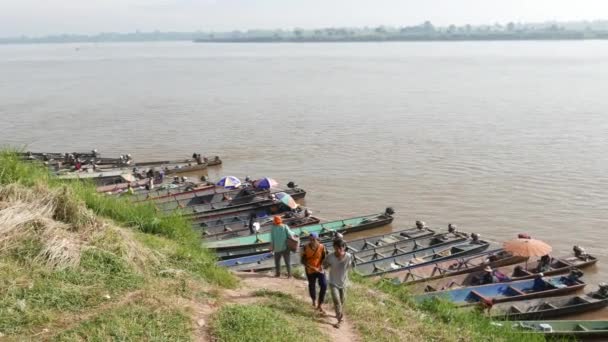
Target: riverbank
(78, 265)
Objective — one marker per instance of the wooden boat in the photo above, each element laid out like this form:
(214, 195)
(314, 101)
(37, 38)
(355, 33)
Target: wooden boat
(544, 308)
(215, 198)
(368, 255)
(243, 229)
(352, 245)
(565, 329)
(169, 190)
(421, 273)
(402, 262)
(512, 272)
(506, 292)
(263, 239)
(170, 164)
(99, 178)
(357, 245)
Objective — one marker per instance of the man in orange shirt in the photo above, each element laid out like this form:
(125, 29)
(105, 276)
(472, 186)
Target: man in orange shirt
(313, 255)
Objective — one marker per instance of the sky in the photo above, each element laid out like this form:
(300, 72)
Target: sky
(46, 17)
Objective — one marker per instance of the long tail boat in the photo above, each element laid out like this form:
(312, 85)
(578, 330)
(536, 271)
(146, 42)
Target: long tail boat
(446, 267)
(214, 198)
(327, 228)
(352, 245)
(402, 262)
(597, 330)
(243, 229)
(508, 292)
(514, 272)
(366, 255)
(544, 308)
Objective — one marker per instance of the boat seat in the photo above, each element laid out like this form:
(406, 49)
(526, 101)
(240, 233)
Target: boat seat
(377, 269)
(518, 291)
(547, 306)
(398, 251)
(514, 309)
(377, 256)
(480, 296)
(358, 259)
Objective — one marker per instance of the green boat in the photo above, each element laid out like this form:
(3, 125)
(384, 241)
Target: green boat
(263, 239)
(579, 329)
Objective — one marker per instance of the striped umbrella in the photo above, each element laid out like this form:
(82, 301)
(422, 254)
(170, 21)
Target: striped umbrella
(286, 199)
(229, 182)
(265, 183)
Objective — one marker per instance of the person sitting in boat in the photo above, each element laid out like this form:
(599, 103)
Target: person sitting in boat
(544, 264)
(199, 159)
(539, 282)
(226, 197)
(487, 277)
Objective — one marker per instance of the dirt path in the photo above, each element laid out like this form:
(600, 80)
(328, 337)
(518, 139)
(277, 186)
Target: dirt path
(252, 282)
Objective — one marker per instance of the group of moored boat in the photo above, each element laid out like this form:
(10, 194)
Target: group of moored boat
(115, 173)
(235, 221)
(448, 266)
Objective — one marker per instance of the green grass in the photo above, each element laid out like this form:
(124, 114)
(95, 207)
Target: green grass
(279, 317)
(436, 320)
(32, 294)
(135, 322)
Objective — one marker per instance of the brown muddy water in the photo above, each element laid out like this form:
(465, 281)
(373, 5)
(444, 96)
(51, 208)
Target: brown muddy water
(496, 137)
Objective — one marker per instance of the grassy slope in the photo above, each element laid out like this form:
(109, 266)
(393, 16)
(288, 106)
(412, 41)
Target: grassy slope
(68, 271)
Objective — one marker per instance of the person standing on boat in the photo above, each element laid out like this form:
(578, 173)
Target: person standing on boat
(313, 255)
(252, 218)
(278, 245)
(338, 263)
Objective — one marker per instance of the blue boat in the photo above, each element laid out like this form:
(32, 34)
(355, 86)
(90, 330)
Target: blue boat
(512, 291)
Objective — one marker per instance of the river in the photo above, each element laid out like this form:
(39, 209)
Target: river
(496, 137)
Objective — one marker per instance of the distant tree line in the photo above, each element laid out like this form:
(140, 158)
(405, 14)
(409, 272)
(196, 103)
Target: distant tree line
(423, 32)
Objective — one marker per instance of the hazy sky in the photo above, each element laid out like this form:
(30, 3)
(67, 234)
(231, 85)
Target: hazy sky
(42, 17)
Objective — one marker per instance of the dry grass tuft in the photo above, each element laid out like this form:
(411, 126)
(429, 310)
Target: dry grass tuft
(62, 226)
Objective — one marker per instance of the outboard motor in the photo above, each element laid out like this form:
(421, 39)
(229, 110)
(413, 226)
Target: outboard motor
(575, 274)
(292, 185)
(602, 292)
(451, 228)
(389, 211)
(420, 224)
(475, 237)
(579, 252)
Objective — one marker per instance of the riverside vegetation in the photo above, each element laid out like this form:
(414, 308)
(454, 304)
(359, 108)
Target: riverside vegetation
(78, 265)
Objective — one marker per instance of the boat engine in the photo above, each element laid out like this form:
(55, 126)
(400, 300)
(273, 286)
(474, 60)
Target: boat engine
(292, 185)
(389, 211)
(420, 224)
(575, 274)
(579, 252)
(451, 228)
(602, 292)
